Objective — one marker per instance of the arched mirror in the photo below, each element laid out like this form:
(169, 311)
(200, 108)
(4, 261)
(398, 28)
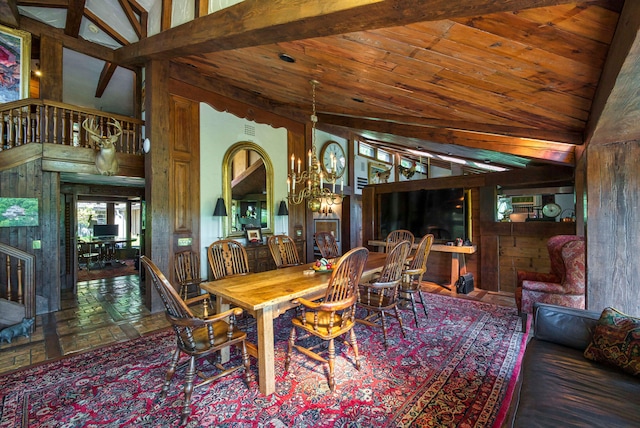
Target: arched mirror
(247, 176)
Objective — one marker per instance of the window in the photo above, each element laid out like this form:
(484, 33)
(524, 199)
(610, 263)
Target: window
(383, 156)
(366, 150)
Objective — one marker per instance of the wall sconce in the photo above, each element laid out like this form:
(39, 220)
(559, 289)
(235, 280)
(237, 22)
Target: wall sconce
(146, 146)
(326, 210)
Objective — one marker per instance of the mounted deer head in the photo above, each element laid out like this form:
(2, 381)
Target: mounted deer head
(106, 161)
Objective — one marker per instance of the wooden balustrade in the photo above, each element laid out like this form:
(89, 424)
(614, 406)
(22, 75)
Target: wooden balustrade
(40, 121)
(17, 280)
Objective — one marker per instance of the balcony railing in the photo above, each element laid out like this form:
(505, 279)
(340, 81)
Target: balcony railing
(41, 121)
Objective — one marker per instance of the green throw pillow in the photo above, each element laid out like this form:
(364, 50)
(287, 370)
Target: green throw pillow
(616, 341)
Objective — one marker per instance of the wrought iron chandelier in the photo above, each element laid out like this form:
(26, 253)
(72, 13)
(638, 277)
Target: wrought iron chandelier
(309, 185)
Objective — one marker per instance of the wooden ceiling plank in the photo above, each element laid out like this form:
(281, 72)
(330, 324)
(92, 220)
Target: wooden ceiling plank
(131, 16)
(9, 14)
(93, 50)
(106, 28)
(616, 106)
(105, 77)
(261, 21)
(74, 17)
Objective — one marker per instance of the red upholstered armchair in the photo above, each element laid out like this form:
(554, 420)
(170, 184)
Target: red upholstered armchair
(564, 285)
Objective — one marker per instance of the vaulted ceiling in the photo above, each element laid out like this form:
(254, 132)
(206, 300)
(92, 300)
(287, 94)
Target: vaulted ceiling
(512, 83)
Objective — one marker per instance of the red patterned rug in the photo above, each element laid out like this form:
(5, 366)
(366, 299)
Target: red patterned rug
(457, 370)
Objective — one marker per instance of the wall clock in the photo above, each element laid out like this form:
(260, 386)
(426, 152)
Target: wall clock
(551, 210)
(330, 151)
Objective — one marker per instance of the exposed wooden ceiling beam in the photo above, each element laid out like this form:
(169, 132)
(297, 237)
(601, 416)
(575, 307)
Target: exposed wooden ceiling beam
(131, 16)
(262, 22)
(74, 17)
(105, 27)
(615, 111)
(9, 14)
(44, 3)
(105, 76)
(79, 45)
(489, 129)
(526, 147)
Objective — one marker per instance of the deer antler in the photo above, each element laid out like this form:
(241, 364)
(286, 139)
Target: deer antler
(92, 128)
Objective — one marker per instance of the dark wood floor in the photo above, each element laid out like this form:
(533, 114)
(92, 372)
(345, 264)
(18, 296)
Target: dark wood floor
(105, 311)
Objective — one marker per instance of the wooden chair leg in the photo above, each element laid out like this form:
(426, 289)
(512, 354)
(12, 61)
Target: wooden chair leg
(413, 307)
(384, 328)
(188, 390)
(173, 365)
(247, 365)
(332, 357)
(354, 345)
(424, 307)
(292, 341)
(395, 308)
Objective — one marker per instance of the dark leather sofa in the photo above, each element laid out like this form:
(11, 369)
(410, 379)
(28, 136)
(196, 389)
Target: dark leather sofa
(559, 387)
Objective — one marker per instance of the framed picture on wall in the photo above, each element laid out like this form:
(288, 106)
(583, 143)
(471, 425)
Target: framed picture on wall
(15, 50)
(379, 172)
(329, 225)
(253, 235)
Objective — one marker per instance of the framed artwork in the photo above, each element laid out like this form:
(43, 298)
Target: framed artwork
(15, 57)
(379, 172)
(329, 225)
(253, 235)
(18, 212)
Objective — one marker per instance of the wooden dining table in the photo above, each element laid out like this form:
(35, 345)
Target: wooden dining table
(267, 295)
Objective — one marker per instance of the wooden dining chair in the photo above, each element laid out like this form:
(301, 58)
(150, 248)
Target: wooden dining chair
(327, 245)
(196, 337)
(283, 250)
(186, 265)
(187, 269)
(333, 315)
(227, 258)
(397, 236)
(380, 296)
(412, 275)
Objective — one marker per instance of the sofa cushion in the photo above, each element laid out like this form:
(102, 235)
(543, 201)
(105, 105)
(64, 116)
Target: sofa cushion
(616, 341)
(564, 326)
(561, 388)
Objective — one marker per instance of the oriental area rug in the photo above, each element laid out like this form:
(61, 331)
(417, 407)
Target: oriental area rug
(458, 369)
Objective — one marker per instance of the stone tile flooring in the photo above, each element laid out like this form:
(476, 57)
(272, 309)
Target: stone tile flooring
(106, 311)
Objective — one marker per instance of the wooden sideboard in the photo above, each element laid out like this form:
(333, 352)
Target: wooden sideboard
(260, 258)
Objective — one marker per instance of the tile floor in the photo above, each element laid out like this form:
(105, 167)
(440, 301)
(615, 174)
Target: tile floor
(106, 311)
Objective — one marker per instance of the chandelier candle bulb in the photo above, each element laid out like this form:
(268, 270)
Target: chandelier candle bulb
(342, 186)
(309, 158)
(299, 162)
(292, 161)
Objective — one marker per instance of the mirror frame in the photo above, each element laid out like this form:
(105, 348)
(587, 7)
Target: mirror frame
(226, 184)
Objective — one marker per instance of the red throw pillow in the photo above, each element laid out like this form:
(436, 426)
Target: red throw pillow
(616, 341)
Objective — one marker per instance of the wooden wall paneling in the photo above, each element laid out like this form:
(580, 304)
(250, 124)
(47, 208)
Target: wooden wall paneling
(158, 127)
(613, 226)
(52, 246)
(184, 176)
(297, 146)
(489, 259)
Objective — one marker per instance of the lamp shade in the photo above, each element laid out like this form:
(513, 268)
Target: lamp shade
(282, 210)
(220, 209)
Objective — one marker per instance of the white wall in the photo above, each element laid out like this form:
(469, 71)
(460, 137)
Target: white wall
(218, 132)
